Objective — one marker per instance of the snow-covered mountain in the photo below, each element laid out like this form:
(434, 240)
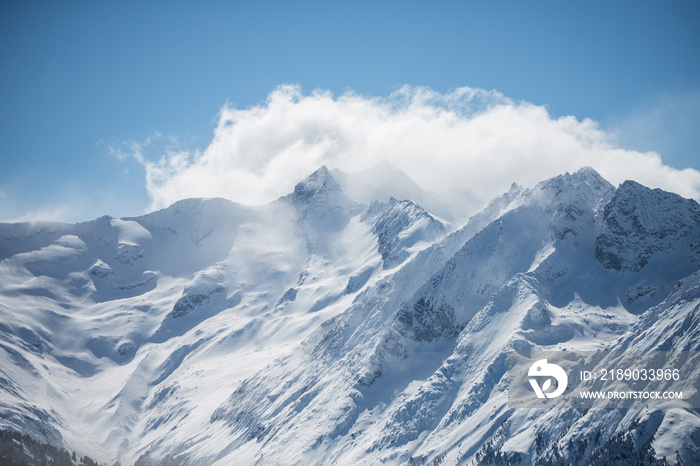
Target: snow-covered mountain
(339, 325)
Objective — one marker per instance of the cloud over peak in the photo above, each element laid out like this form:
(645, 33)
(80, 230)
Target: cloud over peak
(470, 138)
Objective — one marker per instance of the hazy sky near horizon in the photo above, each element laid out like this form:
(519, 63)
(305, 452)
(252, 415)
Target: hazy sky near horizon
(120, 107)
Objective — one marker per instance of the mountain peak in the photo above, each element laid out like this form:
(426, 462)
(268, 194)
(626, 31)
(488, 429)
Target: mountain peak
(582, 175)
(588, 171)
(639, 223)
(583, 186)
(321, 180)
(323, 205)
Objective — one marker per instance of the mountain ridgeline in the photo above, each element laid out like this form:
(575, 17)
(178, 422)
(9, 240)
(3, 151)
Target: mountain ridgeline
(347, 324)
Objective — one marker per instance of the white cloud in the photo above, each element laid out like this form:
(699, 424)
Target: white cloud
(469, 137)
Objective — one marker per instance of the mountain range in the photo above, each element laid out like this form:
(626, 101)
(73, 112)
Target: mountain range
(356, 320)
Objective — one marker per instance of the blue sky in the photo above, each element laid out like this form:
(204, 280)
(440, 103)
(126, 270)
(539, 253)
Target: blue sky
(78, 78)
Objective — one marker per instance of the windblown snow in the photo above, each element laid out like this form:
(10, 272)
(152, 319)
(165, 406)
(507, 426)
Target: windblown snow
(357, 320)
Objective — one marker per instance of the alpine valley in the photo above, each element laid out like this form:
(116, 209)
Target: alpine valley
(357, 320)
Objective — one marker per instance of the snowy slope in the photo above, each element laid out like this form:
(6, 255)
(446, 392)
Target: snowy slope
(114, 331)
(344, 324)
(418, 372)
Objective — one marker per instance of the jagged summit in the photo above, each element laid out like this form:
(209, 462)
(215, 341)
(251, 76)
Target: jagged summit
(320, 181)
(642, 225)
(584, 176)
(400, 225)
(319, 190)
(322, 205)
(589, 171)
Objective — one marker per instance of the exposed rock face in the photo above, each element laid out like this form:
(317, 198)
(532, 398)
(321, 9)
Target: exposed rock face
(641, 224)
